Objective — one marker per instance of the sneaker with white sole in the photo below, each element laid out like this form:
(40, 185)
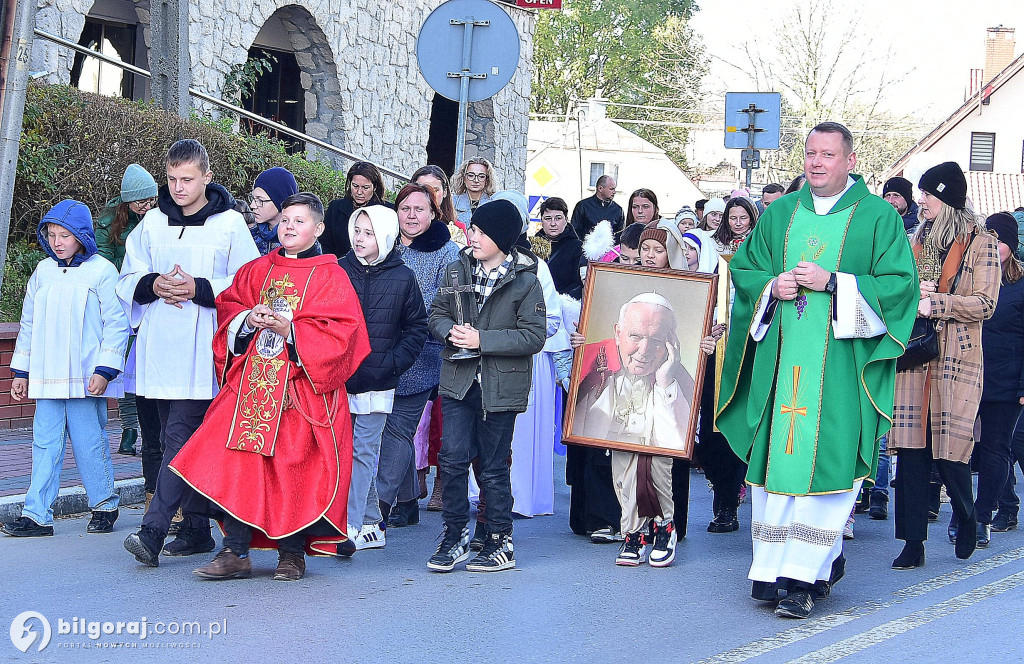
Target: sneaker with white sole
(663, 551)
(371, 536)
(453, 549)
(498, 554)
(633, 551)
(605, 535)
(848, 529)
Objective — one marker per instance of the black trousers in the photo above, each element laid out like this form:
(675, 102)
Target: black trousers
(992, 454)
(723, 469)
(1009, 503)
(592, 501)
(179, 419)
(912, 474)
(680, 495)
(238, 536)
(152, 450)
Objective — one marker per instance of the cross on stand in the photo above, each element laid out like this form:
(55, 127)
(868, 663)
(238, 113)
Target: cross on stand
(460, 316)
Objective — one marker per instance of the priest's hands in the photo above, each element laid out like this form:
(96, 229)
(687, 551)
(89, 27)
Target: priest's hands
(663, 377)
(465, 336)
(263, 317)
(175, 287)
(811, 275)
(19, 388)
(97, 385)
(785, 287)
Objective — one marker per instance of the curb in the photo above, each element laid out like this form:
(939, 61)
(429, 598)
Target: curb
(72, 500)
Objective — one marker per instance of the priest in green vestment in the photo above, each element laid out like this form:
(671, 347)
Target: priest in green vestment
(826, 296)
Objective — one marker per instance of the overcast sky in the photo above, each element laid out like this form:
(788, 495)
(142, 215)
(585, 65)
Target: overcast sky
(937, 41)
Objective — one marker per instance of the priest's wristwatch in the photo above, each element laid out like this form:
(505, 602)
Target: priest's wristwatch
(830, 287)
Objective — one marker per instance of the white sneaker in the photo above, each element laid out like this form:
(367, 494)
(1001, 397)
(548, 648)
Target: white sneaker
(371, 536)
(848, 530)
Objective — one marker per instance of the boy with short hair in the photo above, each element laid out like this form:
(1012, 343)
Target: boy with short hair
(177, 260)
(274, 454)
(69, 354)
(503, 318)
(271, 188)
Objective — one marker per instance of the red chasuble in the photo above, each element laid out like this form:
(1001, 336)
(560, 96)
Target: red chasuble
(275, 448)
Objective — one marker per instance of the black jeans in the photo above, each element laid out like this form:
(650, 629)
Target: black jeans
(238, 536)
(992, 454)
(722, 468)
(1008, 501)
(466, 434)
(179, 419)
(912, 475)
(152, 450)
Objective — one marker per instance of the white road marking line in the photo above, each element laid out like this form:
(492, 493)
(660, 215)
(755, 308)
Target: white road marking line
(883, 632)
(814, 627)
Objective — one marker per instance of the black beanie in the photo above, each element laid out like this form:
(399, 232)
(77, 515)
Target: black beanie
(947, 183)
(901, 186)
(1005, 227)
(499, 220)
(279, 184)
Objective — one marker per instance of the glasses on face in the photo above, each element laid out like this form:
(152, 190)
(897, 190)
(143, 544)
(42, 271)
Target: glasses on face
(255, 202)
(476, 177)
(145, 203)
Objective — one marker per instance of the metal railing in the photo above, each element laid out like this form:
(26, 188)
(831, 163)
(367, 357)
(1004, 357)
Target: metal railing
(277, 126)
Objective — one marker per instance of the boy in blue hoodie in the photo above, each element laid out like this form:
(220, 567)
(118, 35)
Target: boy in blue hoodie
(68, 357)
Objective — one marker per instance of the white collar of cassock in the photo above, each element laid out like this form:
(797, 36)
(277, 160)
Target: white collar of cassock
(824, 204)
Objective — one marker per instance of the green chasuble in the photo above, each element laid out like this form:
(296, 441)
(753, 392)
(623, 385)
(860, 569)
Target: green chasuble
(804, 409)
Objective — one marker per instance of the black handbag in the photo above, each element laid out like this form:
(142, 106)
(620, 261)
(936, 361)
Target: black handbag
(923, 346)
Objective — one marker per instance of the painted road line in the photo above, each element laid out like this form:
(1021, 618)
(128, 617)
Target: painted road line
(817, 626)
(886, 631)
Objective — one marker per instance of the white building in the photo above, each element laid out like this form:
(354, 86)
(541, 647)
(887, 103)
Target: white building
(566, 158)
(344, 72)
(985, 136)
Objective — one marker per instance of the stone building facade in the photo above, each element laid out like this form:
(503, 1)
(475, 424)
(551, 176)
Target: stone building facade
(361, 86)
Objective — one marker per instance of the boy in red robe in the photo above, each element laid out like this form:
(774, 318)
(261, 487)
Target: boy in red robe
(274, 453)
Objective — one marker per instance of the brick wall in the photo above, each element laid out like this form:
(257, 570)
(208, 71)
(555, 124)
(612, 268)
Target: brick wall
(18, 415)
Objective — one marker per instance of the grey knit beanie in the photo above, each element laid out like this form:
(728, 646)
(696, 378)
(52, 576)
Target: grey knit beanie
(137, 184)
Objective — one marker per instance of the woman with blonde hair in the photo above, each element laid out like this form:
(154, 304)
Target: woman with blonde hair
(473, 185)
(936, 403)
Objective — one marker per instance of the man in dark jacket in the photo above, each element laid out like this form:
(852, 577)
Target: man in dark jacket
(502, 327)
(899, 193)
(595, 209)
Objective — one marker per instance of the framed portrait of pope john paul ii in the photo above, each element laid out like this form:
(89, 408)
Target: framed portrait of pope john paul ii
(636, 382)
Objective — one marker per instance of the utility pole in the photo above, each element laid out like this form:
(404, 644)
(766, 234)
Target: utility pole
(19, 21)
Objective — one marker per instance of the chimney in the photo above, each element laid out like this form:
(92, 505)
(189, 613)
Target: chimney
(597, 107)
(999, 46)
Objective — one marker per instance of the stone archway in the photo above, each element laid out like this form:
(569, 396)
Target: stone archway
(293, 29)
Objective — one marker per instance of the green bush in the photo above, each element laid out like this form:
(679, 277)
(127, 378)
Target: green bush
(77, 145)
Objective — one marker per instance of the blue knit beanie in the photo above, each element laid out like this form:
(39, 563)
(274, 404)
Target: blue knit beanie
(279, 184)
(137, 184)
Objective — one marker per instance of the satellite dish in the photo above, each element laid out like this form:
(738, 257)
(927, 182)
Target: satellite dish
(472, 38)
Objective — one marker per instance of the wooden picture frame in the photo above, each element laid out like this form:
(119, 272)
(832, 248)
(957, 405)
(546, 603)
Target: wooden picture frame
(599, 413)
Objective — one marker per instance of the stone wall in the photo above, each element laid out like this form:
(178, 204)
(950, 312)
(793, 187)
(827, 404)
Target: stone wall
(358, 61)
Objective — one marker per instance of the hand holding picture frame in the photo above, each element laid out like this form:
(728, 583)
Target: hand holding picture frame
(636, 383)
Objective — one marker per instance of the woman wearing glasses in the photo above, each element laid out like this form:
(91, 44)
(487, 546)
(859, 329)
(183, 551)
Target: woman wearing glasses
(365, 186)
(113, 225)
(473, 185)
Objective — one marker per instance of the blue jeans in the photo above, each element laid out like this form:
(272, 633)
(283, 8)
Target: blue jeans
(362, 495)
(55, 421)
(882, 478)
(466, 435)
(396, 469)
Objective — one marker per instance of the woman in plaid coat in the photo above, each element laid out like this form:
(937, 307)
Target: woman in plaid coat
(936, 404)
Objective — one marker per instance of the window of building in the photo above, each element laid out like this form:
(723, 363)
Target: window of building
(596, 171)
(983, 151)
(116, 40)
(278, 95)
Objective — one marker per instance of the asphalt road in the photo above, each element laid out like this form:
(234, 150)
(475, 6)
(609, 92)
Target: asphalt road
(566, 601)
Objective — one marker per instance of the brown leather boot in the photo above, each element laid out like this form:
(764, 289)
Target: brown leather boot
(435, 504)
(226, 565)
(291, 566)
(149, 499)
(421, 476)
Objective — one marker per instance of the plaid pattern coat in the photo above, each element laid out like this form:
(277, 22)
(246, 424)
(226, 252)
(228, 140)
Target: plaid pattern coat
(956, 374)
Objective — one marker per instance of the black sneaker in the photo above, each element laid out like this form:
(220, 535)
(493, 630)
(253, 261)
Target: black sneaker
(453, 549)
(633, 550)
(102, 522)
(479, 537)
(879, 510)
(1004, 521)
(497, 554)
(724, 522)
(26, 527)
(145, 545)
(190, 541)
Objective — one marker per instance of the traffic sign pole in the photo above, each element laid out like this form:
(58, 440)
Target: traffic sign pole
(465, 75)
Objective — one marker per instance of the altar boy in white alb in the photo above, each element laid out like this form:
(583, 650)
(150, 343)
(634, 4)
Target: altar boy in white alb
(68, 357)
(177, 260)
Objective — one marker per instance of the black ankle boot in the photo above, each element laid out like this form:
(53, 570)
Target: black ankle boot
(385, 510)
(911, 557)
(966, 538)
